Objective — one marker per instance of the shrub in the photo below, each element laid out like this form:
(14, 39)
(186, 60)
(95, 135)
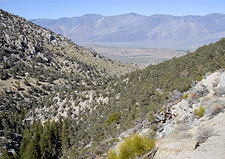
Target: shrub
(133, 147)
(148, 143)
(51, 79)
(7, 155)
(17, 83)
(199, 112)
(185, 96)
(112, 154)
(200, 78)
(4, 75)
(113, 117)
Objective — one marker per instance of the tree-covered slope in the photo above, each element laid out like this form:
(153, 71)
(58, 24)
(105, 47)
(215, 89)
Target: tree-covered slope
(140, 95)
(36, 63)
(58, 102)
(154, 85)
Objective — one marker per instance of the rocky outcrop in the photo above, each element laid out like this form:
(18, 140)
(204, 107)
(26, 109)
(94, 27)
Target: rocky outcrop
(222, 81)
(182, 133)
(169, 147)
(220, 90)
(185, 136)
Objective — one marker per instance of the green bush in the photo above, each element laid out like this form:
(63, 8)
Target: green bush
(185, 96)
(7, 155)
(199, 112)
(112, 154)
(133, 147)
(200, 78)
(113, 117)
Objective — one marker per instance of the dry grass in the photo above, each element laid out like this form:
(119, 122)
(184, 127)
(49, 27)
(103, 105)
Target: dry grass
(133, 147)
(199, 112)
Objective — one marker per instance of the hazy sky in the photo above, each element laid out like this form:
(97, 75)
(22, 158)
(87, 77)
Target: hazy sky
(68, 8)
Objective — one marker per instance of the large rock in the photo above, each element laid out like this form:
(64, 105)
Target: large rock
(217, 108)
(222, 81)
(220, 91)
(213, 146)
(201, 91)
(169, 147)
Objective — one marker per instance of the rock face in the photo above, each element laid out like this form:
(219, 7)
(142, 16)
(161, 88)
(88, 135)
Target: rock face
(185, 136)
(214, 146)
(169, 147)
(182, 134)
(222, 81)
(220, 90)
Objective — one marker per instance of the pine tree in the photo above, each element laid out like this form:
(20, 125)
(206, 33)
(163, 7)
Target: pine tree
(64, 137)
(45, 142)
(7, 155)
(55, 140)
(26, 139)
(32, 150)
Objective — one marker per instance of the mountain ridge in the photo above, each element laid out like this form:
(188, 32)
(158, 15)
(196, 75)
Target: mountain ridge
(191, 30)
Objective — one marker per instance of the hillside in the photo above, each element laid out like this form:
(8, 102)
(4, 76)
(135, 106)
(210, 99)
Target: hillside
(139, 96)
(99, 120)
(163, 31)
(196, 129)
(152, 99)
(59, 101)
(36, 63)
(191, 127)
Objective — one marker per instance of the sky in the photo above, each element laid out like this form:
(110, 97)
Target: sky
(52, 9)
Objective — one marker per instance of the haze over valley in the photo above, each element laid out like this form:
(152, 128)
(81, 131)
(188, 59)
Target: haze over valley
(140, 39)
(140, 56)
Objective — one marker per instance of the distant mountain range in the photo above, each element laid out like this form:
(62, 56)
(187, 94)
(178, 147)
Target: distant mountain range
(157, 30)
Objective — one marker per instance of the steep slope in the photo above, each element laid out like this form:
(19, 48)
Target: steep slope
(140, 95)
(53, 42)
(132, 101)
(82, 114)
(36, 63)
(202, 130)
(159, 30)
(191, 127)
